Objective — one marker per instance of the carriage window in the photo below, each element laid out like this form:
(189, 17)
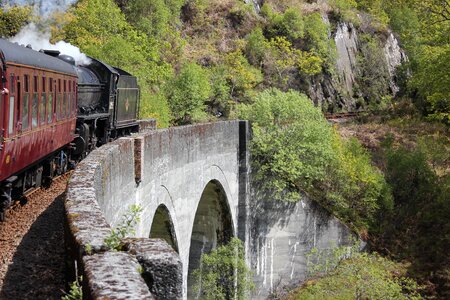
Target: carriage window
(58, 101)
(74, 102)
(64, 105)
(50, 100)
(26, 83)
(35, 103)
(12, 90)
(25, 102)
(69, 99)
(12, 87)
(11, 115)
(43, 102)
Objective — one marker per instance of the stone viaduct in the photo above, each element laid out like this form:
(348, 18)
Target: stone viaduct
(193, 185)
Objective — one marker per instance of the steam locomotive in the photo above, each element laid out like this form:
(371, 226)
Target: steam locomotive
(52, 113)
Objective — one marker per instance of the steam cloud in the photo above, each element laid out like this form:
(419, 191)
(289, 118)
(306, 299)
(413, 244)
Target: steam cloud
(30, 35)
(42, 7)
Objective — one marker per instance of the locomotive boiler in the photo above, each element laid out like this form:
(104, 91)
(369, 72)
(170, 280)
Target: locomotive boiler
(54, 113)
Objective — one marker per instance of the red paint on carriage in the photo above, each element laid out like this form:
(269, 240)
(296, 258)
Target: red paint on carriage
(37, 115)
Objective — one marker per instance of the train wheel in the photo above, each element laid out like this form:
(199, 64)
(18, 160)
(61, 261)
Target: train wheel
(2, 216)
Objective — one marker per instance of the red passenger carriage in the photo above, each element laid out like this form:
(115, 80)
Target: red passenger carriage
(37, 118)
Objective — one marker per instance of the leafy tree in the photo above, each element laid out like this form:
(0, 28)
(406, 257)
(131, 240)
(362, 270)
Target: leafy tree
(13, 19)
(187, 94)
(240, 75)
(100, 29)
(317, 41)
(296, 152)
(290, 145)
(362, 276)
(223, 274)
(373, 77)
(256, 47)
(422, 201)
(354, 189)
(158, 19)
(281, 58)
(289, 24)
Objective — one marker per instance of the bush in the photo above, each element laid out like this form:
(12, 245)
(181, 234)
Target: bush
(290, 145)
(317, 41)
(256, 47)
(187, 94)
(223, 274)
(361, 276)
(354, 189)
(289, 24)
(296, 152)
(373, 74)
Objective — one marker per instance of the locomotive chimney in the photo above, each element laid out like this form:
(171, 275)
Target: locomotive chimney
(53, 53)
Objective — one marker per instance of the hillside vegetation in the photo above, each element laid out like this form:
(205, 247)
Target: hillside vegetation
(276, 64)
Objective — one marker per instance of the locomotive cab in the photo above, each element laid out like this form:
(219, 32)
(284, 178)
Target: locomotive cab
(108, 99)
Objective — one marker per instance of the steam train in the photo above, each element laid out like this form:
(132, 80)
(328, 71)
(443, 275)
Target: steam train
(52, 113)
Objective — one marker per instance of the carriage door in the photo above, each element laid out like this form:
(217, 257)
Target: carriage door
(3, 99)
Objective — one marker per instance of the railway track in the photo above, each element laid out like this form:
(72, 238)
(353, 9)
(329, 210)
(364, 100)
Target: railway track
(343, 115)
(32, 256)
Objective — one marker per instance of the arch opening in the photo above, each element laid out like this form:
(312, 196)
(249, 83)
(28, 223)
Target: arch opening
(213, 227)
(162, 227)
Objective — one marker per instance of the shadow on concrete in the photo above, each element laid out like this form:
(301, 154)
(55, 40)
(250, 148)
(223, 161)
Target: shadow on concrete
(38, 266)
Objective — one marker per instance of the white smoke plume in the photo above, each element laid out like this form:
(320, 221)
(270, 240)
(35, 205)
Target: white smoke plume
(30, 35)
(42, 7)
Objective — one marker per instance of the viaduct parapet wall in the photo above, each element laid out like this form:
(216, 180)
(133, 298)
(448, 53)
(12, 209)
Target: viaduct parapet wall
(188, 181)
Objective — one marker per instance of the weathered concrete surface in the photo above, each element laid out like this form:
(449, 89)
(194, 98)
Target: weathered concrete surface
(162, 269)
(168, 167)
(282, 236)
(124, 283)
(176, 165)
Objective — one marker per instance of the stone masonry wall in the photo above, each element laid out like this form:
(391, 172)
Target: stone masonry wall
(168, 167)
(134, 273)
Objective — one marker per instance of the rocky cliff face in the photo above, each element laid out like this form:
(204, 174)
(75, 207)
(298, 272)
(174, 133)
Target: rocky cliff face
(343, 90)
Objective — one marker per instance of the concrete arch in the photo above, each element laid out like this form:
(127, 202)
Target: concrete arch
(163, 228)
(212, 226)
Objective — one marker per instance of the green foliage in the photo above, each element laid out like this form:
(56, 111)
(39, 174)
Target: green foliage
(124, 228)
(432, 80)
(421, 190)
(155, 105)
(373, 77)
(13, 19)
(424, 28)
(360, 276)
(187, 94)
(223, 274)
(345, 10)
(158, 19)
(376, 8)
(76, 292)
(289, 24)
(256, 47)
(241, 76)
(354, 189)
(317, 41)
(281, 58)
(290, 146)
(294, 150)
(100, 29)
